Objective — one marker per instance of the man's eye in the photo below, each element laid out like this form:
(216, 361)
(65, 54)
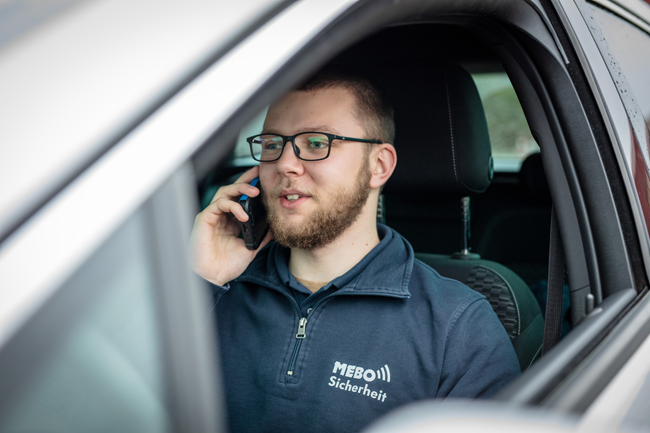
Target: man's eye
(270, 145)
(317, 143)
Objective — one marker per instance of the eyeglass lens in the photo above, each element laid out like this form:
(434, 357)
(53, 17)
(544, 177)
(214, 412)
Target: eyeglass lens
(311, 146)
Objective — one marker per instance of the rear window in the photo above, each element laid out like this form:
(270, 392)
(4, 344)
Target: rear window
(510, 136)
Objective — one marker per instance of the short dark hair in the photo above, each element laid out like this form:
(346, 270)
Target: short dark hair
(373, 111)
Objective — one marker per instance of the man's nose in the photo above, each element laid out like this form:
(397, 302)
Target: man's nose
(289, 161)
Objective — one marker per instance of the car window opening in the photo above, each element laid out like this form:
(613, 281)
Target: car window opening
(510, 219)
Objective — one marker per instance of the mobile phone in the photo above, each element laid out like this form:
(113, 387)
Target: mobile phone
(254, 230)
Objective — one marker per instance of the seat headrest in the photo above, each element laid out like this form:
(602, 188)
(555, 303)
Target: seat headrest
(442, 141)
(533, 180)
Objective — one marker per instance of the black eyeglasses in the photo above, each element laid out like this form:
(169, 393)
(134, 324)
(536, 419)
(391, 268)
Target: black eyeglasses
(308, 146)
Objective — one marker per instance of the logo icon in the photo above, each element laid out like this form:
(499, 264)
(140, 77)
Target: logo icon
(384, 373)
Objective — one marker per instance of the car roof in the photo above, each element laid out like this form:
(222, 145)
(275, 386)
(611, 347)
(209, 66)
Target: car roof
(79, 76)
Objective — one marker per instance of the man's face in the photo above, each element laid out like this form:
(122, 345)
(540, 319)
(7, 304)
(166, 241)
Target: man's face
(311, 203)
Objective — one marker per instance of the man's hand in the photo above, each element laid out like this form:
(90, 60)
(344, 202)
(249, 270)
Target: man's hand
(220, 255)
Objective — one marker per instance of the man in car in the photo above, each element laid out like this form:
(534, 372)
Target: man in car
(335, 323)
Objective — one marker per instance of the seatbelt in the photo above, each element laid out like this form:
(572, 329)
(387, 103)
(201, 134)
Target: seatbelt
(555, 288)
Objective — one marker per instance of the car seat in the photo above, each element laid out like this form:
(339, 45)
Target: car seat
(516, 233)
(443, 153)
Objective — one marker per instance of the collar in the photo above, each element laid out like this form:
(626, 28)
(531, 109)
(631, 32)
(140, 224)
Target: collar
(384, 271)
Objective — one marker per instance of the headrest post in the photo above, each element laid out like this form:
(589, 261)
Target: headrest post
(464, 253)
(466, 216)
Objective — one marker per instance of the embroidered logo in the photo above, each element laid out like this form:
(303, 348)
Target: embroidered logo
(359, 373)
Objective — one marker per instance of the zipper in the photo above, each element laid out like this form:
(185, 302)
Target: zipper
(300, 335)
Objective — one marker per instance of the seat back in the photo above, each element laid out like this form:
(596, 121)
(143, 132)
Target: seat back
(516, 233)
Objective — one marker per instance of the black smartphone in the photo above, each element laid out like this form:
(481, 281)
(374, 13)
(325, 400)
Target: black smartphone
(254, 230)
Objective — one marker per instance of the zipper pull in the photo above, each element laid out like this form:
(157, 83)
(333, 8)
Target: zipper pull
(301, 328)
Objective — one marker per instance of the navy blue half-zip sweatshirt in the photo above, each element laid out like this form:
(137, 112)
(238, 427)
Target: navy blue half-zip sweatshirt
(388, 332)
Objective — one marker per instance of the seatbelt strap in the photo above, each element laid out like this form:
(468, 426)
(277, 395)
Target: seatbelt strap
(555, 288)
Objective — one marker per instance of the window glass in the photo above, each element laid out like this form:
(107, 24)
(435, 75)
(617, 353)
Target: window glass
(631, 48)
(510, 136)
(103, 372)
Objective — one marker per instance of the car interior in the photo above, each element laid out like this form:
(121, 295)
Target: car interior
(468, 211)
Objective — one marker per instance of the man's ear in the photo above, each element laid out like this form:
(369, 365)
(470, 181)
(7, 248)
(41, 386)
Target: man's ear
(383, 160)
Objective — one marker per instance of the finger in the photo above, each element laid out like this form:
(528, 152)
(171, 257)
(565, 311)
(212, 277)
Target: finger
(222, 206)
(247, 177)
(235, 190)
(233, 207)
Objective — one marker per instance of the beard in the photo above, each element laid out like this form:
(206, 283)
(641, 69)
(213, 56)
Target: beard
(327, 222)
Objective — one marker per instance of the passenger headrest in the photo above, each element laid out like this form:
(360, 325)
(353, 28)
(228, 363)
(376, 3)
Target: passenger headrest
(442, 141)
(533, 180)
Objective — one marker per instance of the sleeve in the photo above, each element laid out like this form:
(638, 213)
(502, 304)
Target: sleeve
(479, 358)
